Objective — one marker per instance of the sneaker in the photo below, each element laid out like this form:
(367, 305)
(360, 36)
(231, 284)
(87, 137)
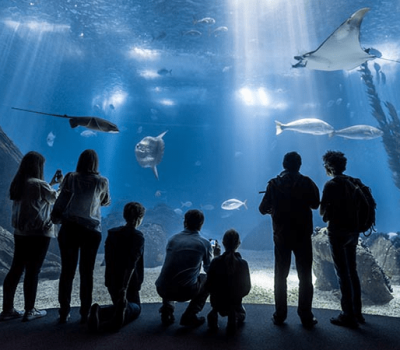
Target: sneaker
(11, 315)
(32, 314)
(93, 319)
(191, 320)
(309, 323)
(167, 316)
(344, 321)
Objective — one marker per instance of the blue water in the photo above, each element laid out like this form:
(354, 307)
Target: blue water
(218, 104)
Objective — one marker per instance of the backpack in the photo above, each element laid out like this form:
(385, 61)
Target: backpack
(361, 205)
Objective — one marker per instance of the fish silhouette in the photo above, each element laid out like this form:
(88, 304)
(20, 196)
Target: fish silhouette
(341, 50)
(149, 152)
(93, 123)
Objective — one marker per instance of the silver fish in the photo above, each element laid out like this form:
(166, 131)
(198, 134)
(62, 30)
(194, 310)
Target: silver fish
(149, 152)
(219, 30)
(205, 20)
(164, 71)
(93, 123)
(232, 204)
(307, 126)
(359, 132)
(192, 33)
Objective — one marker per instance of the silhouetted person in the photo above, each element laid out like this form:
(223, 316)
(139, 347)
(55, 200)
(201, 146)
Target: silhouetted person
(343, 238)
(80, 233)
(124, 249)
(289, 199)
(228, 281)
(32, 199)
(180, 278)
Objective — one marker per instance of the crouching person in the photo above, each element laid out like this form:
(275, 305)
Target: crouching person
(228, 281)
(180, 278)
(124, 248)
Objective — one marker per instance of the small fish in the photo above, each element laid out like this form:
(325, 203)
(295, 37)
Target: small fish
(359, 132)
(88, 133)
(192, 33)
(159, 193)
(218, 31)
(50, 139)
(207, 207)
(164, 72)
(149, 152)
(205, 20)
(232, 204)
(178, 211)
(307, 126)
(198, 163)
(160, 36)
(187, 204)
(392, 235)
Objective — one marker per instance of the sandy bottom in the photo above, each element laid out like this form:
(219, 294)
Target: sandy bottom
(262, 277)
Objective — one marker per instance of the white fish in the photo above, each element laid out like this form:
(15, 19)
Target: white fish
(392, 235)
(149, 152)
(219, 30)
(187, 204)
(50, 139)
(192, 33)
(88, 133)
(205, 20)
(178, 211)
(232, 204)
(359, 132)
(307, 126)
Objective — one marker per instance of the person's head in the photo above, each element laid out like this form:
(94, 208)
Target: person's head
(134, 213)
(31, 166)
(334, 162)
(88, 162)
(231, 240)
(292, 161)
(194, 220)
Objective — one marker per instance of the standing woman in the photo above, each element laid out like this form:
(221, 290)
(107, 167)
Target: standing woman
(80, 233)
(32, 198)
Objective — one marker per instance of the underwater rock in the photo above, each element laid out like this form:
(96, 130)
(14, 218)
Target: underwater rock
(11, 156)
(375, 286)
(155, 240)
(51, 266)
(259, 238)
(387, 255)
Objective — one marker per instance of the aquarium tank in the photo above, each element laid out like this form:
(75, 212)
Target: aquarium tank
(214, 84)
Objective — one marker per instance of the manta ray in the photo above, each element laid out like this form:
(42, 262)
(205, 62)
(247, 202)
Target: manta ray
(93, 123)
(149, 152)
(342, 49)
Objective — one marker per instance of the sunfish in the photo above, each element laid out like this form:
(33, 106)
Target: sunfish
(232, 204)
(93, 123)
(342, 49)
(306, 126)
(359, 132)
(149, 152)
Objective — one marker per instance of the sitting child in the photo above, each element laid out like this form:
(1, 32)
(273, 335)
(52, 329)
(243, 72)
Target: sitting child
(124, 248)
(228, 281)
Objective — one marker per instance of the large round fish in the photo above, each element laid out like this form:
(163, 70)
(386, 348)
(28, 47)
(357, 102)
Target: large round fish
(359, 132)
(149, 152)
(307, 126)
(232, 204)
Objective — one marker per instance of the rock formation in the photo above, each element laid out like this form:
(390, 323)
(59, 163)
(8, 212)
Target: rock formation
(260, 237)
(375, 286)
(10, 157)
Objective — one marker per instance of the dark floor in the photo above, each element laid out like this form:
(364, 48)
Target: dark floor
(258, 332)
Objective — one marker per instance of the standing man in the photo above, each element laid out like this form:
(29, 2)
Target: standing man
(343, 238)
(180, 278)
(289, 199)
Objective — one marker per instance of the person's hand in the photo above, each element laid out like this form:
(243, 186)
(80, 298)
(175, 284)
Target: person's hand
(216, 249)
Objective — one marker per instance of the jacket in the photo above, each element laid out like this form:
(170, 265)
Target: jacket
(89, 193)
(31, 214)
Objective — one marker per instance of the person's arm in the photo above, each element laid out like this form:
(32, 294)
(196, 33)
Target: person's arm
(105, 199)
(314, 196)
(266, 203)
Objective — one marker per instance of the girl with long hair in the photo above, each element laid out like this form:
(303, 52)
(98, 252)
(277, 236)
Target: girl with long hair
(80, 233)
(32, 199)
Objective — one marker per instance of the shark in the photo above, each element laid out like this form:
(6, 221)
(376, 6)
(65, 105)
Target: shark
(341, 50)
(92, 123)
(149, 152)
